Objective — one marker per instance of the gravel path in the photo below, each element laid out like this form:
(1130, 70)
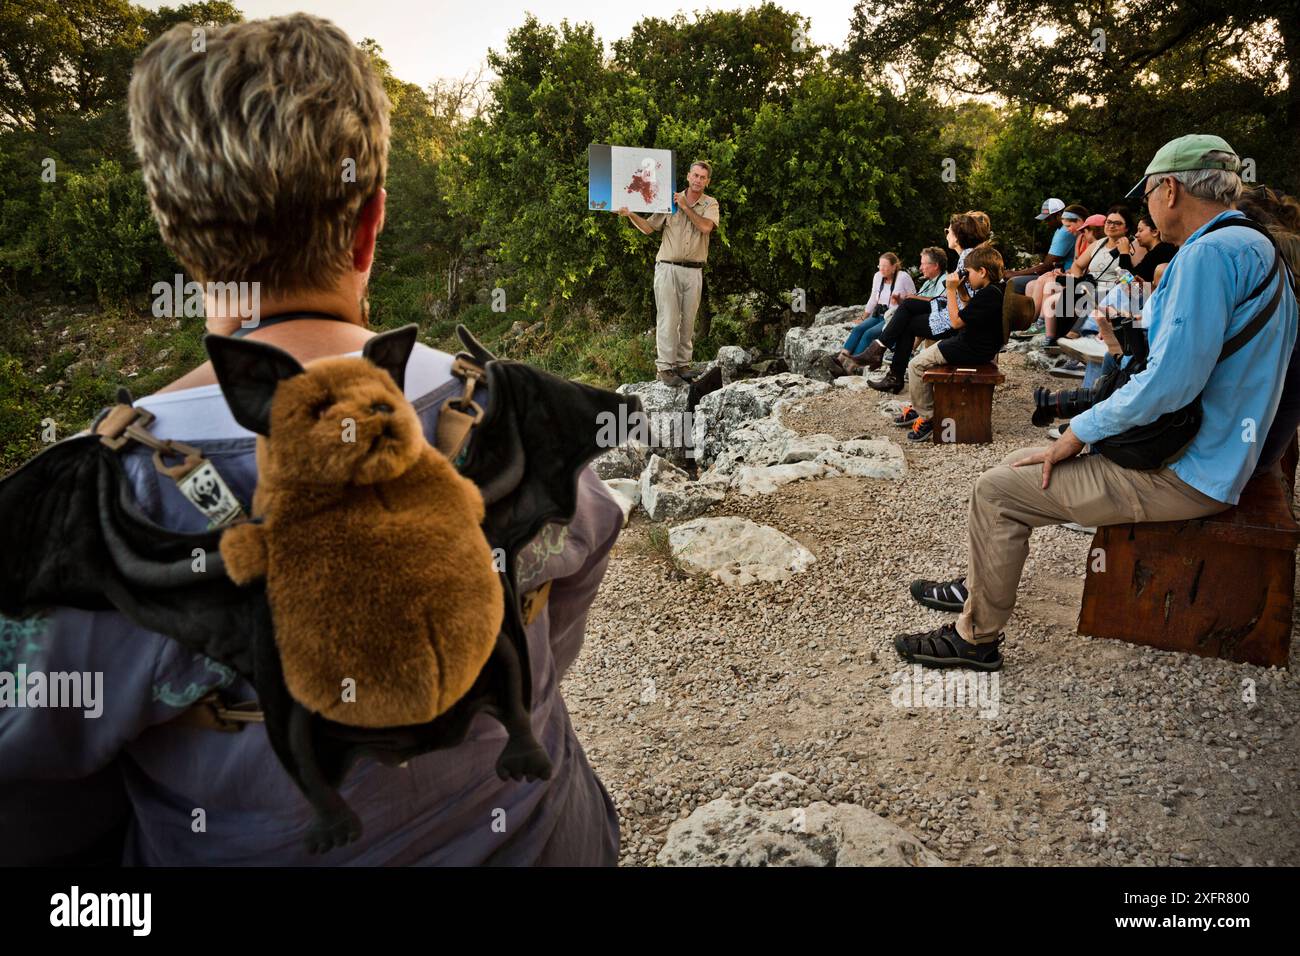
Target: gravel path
(1100, 751)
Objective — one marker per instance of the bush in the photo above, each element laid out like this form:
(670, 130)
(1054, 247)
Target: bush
(105, 235)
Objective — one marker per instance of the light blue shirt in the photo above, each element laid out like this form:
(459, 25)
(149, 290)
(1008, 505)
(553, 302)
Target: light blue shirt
(1063, 246)
(1195, 309)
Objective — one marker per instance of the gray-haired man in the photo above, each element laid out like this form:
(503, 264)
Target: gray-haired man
(679, 270)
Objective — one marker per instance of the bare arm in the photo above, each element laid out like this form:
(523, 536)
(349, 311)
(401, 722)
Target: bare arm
(636, 220)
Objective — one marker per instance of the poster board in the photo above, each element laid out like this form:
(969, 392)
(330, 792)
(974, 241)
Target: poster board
(640, 179)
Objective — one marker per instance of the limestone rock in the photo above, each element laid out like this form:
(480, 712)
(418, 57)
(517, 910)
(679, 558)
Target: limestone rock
(839, 315)
(666, 424)
(625, 461)
(732, 359)
(765, 479)
(668, 494)
(808, 351)
(722, 412)
(727, 833)
(737, 551)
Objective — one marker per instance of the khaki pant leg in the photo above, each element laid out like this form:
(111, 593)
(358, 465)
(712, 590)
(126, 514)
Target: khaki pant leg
(691, 284)
(920, 391)
(667, 317)
(1008, 502)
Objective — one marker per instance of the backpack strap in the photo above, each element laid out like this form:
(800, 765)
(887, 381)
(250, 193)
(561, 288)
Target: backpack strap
(195, 476)
(1242, 338)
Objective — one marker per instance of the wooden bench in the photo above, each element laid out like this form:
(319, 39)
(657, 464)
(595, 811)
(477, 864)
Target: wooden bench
(963, 402)
(1222, 586)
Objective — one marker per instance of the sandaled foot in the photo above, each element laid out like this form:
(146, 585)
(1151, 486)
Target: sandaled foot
(941, 595)
(944, 647)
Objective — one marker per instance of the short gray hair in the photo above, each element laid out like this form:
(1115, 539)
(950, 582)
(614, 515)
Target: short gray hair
(259, 153)
(1221, 186)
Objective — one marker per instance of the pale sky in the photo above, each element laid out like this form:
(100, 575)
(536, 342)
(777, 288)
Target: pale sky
(425, 40)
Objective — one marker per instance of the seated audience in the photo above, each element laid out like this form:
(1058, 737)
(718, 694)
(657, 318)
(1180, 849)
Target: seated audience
(1204, 299)
(1058, 250)
(916, 319)
(976, 338)
(1093, 274)
(849, 359)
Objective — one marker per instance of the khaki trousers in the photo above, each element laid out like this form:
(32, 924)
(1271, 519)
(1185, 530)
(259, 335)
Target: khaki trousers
(677, 299)
(920, 391)
(1007, 503)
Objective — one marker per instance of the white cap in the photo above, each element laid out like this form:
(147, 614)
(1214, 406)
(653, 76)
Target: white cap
(1050, 208)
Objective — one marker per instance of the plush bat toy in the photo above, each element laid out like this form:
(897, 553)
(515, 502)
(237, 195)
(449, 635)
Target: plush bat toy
(380, 580)
(74, 536)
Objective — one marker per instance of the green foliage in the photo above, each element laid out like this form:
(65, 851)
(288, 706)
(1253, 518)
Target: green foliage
(105, 235)
(1031, 159)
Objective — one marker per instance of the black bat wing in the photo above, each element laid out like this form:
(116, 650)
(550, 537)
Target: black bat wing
(73, 536)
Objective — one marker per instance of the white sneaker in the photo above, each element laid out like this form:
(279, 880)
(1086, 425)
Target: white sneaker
(1054, 432)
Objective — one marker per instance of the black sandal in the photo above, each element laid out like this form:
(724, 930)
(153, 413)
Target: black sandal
(944, 647)
(941, 595)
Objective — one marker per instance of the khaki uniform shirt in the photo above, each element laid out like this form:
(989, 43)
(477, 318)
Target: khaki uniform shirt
(682, 241)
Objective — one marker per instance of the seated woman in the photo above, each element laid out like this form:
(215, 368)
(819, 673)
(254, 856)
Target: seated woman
(890, 286)
(1073, 217)
(1096, 271)
(849, 359)
(924, 320)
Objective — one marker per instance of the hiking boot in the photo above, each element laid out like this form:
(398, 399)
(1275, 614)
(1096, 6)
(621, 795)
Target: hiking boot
(886, 383)
(922, 428)
(907, 417)
(944, 647)
(941, 595)
(872, 357)
(687, 374)
(670, 377)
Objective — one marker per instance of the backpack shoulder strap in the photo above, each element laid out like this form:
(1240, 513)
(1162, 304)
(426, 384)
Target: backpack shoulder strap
(1240, 340)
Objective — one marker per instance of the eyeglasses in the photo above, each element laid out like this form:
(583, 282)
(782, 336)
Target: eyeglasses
(1116, 222)
(1154, 188)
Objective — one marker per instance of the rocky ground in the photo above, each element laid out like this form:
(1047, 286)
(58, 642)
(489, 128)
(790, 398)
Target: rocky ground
(1100, 752)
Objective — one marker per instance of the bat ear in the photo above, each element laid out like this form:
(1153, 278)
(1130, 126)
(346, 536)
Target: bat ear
(249, 373)
(390, 351)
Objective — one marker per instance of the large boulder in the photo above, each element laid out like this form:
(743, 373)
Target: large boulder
(737, 551)
(722, 412)
(733, 359)
(668, 494)
(625, 461)
(808, 351)
(839, 315)
(666, 427)
(762, 441)
(764, 480)
(727, 833)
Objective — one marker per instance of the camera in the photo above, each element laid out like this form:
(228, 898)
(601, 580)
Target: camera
(1049, 405)
(963, 275)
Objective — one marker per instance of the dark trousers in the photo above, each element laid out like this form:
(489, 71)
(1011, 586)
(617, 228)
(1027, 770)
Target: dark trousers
(910, 322)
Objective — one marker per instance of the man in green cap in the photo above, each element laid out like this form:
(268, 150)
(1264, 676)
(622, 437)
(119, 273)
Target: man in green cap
(1225, 280)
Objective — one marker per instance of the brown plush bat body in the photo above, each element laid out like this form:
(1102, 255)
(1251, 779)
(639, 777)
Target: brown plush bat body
(380, 581)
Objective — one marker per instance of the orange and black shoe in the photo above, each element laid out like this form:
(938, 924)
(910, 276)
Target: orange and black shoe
(907, 417)
(921, 429)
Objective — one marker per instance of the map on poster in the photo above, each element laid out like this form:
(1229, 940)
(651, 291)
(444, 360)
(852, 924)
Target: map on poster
(640, 179)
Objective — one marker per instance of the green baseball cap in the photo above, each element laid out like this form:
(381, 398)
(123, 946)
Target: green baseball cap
(1185, 153)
